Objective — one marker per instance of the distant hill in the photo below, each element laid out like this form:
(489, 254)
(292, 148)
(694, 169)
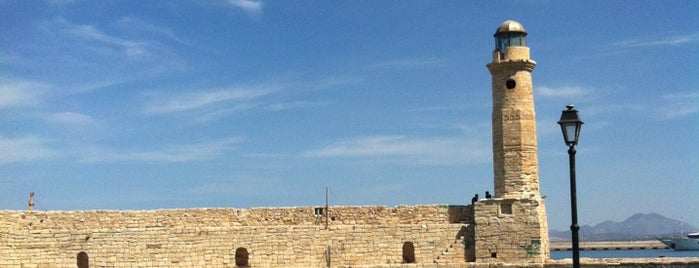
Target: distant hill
(637, 227)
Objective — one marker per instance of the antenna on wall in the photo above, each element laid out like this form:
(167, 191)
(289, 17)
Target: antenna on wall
(328, 252)
(328, 259)
(327, 213)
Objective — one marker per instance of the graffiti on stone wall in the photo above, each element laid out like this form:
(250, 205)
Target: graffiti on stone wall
(533, 248)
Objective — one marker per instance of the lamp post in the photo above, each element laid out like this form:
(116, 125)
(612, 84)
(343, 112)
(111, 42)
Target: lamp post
(570, 126)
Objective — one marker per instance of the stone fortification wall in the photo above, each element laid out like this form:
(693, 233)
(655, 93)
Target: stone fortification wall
(266, 237)
(511, 231)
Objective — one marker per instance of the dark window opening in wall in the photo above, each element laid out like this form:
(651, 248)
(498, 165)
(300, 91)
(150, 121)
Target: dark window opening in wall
(408, 252)
(510, 84)
(83, 260)
(241, 257)
(506, 208)
(319, 211)
(494, 255)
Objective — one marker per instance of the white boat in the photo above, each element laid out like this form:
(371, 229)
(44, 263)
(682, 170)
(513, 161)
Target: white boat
(689, 242)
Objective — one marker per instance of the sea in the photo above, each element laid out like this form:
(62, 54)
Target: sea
(641, 253)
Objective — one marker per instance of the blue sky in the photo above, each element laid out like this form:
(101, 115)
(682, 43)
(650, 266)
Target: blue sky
(176, 104)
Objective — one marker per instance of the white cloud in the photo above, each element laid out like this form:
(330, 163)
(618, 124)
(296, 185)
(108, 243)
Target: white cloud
(678, 105)
(131, 40)
(171, 154)
(91, 34)
(135, 25)
(426, 151)
(562, 92)
(204, 105)
(24, 149)
(100, 55)
(203, 99)
(600, 108)
(20, 93)
(293, 105)
(413, 63)
(70, 118)
(663, 41)
(250, 7)
(223, 112)
(87, 86)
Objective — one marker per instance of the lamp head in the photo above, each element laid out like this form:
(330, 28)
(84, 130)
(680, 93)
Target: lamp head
(570, 125)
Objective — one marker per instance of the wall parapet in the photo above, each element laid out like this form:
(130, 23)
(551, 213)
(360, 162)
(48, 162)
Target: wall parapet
(227, 217)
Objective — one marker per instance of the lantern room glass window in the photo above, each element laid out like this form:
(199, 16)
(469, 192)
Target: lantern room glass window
(508, 39)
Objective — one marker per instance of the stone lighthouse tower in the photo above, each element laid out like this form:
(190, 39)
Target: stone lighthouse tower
(514, 126)
(511, 226)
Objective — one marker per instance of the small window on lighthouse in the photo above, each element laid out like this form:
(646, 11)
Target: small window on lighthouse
(510, 84)
(515, 40)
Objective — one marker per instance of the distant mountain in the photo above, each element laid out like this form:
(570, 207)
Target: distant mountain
(637, 227)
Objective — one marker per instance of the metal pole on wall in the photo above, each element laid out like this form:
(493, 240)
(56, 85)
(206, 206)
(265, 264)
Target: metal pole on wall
(327, 213)
(574, 208)
(327, 257)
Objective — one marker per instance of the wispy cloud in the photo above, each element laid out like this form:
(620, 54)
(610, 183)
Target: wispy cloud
(90, 34)
(208, 104)
(615, 48)
(77, 129)
(562, 92)
(206, 98)
(24, 149)
(425, 151)
(664, 107)
(221, 112)
(331, 82)
(411, 63)
(678, 105)
(251, 7)
(87, 86)
(600, 108)
(14, 93)
(293, 105)
(117, 45)
(169, 154)
(70, 118)
(135, 25)
(662, 41)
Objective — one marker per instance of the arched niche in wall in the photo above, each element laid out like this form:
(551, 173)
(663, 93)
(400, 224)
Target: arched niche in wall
(408, 252)
(241, 257)
(83, 260)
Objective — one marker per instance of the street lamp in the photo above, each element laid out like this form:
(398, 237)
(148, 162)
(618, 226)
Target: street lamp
(570, 125)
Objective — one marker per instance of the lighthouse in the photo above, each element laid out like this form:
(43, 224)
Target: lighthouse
(511, 226)
(515, 164)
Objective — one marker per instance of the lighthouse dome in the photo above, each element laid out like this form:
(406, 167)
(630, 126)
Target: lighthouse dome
(510, 26)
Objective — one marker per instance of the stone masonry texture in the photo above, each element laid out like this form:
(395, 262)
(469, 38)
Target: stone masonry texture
(273, 237)
(515, 162)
